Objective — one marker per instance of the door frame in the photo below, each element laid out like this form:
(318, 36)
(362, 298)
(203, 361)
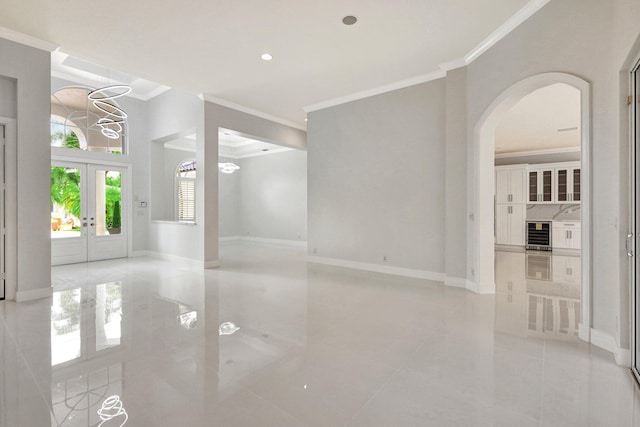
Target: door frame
(632, 250)
(126, 178)
(482, 185)
(10, 208)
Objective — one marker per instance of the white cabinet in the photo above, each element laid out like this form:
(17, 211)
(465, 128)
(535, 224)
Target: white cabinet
(510, 204)
(540, 185)
(510, 221)
(566, 235)
(510, 184)
(568, 183)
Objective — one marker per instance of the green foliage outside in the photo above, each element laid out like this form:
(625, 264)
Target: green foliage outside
(65, 189)
(65, 186)
(113, 200)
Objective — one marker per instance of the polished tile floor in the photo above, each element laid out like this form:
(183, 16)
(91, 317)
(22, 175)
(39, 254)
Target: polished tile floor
(268, 340)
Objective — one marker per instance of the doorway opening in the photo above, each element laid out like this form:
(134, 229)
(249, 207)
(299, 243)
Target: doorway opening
(262, 191)
(538, 188)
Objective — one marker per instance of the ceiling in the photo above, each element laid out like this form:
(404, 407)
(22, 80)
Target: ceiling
(546, 120)
(231, 145)
(213, 47)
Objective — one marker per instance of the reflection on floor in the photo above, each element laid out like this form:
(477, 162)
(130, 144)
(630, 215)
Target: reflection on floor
(538, 295)
(267, 340)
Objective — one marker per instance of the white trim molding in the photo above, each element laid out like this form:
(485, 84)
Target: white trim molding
(435, 75)
(193, 263)
(608, 343)
(34, 294)
(264, 241)
(538, 152)
(377, 268)
(460, 282)
(503, 30)
(27, 40)
(251, 111)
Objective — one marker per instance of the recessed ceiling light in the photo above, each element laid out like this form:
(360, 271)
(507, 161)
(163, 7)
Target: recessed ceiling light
(305, 119)
(349, 20)
(266, 57)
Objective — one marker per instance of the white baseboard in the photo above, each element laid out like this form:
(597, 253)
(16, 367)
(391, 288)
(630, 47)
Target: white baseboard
(212, 264)
(34, 294)
(136, 254)
(607, 342)
(264, 240)
(377, 268)
(584, 332)
(460, 282)
(193, 263)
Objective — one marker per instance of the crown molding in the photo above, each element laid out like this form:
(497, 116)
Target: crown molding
(27, 40)
(561, 150)
(511, 24)
(435, 75)
(251, 111)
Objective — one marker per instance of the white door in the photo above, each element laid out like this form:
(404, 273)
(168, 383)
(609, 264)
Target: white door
(516, 225)
(88, 212)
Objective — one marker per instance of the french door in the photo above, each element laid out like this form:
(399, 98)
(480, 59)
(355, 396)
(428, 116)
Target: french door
(634, 236)
(88, 212)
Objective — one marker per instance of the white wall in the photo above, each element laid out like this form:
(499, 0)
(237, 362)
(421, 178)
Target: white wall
(273, 196)
(28, 239)
(229, 201)
(376, 179)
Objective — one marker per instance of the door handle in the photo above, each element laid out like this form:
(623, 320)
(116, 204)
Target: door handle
(627, 243)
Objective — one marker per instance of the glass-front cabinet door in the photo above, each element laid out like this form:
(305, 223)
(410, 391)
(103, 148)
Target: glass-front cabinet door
(541, 186)
(533, 186)
(568, 184)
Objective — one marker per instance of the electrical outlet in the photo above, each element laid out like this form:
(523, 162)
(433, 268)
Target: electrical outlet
(315, 251)
(473, 272)
(384, 258)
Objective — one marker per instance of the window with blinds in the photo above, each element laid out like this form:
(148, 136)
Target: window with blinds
(186, 199)
(186, 186)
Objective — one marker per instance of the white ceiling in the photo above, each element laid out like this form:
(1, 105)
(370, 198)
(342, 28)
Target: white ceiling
(231, 144)
(213, 47)
(546, 120)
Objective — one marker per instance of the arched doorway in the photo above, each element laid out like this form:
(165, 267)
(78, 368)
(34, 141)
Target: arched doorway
(483, 190)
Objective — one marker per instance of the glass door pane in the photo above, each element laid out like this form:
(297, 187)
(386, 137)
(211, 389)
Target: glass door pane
(576, 185)
(65, 202)
(562, 185)
(533, 186)
(108, 202)
(636, 223)
(546, 186)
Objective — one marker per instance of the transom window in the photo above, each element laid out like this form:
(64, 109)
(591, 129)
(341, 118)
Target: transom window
(77, 123)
